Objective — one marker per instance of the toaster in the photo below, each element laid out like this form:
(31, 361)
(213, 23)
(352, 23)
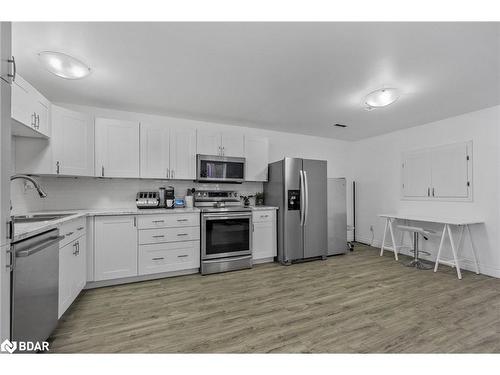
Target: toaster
(147, 199)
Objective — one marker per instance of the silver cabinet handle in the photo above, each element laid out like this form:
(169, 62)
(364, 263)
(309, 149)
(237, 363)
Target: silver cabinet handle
(75, 246)
(159, 236)
(159, 258)
(135, 221)
(182, 234)
(37, 121)
(168, 172)
(12, 61)
(69, 233)
(80, 228)
(264, 215)
(179, 220)
(33, 120)
(223, 151)
(182, 256)
(173, 173)
(428, 191)
(158, 221)
(432, 191)
(57, 167)
(102, 170)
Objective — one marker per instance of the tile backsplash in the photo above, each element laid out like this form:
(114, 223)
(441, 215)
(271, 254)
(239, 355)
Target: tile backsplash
(70, 193)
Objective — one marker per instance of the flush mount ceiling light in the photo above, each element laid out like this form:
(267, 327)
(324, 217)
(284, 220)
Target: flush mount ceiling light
(381, 98)
(64, 66)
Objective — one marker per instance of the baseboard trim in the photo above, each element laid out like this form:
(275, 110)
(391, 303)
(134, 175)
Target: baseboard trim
(466, 264)
(135, 279)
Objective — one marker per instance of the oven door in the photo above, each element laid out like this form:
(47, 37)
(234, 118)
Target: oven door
(220, 169)
(226, 234)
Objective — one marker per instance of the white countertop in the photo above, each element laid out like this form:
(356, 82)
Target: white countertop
(25, 230)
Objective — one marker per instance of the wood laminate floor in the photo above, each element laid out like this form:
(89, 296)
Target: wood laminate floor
(356, 303)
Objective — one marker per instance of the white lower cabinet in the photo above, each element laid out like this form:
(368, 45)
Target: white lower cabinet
(72, 271)
(168, 257)
(264, 234)
(115, 247)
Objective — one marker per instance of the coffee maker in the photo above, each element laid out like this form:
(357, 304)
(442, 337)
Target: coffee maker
(167, 197)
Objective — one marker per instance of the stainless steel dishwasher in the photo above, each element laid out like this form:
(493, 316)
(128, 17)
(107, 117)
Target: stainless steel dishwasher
(35, 286)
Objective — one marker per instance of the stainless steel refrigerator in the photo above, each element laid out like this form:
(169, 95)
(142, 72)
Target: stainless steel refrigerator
(337, 216)
(299, 188)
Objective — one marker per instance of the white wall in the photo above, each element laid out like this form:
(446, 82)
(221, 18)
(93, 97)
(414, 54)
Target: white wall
(74, 193)
(376, 169)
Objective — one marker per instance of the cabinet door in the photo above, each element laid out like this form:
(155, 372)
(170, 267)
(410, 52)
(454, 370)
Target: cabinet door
(115, 247)
(155, 151)
(22, 108)
(116, 148)
(257, 158)
(42, 113)
(80, 261)
(183, 154)
(233, 144)
(450, 166)
(417, 174)
(208, 142)
(66, 276)
(264, 240)
(73, 142)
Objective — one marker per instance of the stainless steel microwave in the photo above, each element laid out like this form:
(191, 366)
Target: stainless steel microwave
(213, 168)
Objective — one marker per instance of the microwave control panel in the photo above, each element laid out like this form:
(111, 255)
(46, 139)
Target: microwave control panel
(293, 200)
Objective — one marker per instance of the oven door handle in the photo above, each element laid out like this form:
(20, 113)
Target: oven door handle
(226, 259)
(225, 216)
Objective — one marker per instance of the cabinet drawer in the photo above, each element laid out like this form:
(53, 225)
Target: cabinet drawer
(168, 220)
(169, 257)
(149, 236)
(72, 230)
(263, 216)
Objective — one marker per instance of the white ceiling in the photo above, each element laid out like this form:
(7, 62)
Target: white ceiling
(293, 77)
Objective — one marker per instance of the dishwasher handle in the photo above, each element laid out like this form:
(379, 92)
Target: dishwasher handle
(43, 245)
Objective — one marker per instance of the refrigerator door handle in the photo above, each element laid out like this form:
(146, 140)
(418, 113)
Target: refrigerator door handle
(302, 198)
(306, 194)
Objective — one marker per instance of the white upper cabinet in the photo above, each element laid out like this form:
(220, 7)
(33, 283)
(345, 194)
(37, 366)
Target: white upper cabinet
(72, 142)
(450, 171)
(183, 154)
(116, 148)
(208, 142)
(227, 143)
(30, 110)
(257, 158)
(232, 144)
(443, 172)
(155, 151)
(417, 174)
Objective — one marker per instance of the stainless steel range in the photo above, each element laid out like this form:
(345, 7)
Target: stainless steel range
(226, 231)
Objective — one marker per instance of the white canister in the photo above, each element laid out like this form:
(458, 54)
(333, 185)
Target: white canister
(189, 201)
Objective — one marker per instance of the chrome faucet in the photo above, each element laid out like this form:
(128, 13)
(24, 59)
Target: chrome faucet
(33, 181)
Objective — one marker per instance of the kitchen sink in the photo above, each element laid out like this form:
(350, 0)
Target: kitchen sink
(38, 217)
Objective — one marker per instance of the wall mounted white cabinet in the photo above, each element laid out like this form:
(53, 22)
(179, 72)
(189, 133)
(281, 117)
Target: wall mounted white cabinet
(115, 247)
(167, 152)
(264, 234)
(257, 158)
(155, 151)
(30, 110)
(443, 172)
(217, 143)
(116, 148)
(72, 142)
(183, 154)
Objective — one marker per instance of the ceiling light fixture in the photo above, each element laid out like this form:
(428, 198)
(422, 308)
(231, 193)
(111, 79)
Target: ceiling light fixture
(381, 98)
(64, 66)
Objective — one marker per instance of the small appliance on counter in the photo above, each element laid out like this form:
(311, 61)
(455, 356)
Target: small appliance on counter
(169, 197)
(147, 199)
(179, 203)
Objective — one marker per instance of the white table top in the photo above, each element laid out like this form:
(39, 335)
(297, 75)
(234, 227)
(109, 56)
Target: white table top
(434, 219)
